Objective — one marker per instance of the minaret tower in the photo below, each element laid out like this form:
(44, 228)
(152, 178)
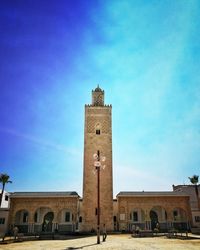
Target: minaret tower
(97, 138)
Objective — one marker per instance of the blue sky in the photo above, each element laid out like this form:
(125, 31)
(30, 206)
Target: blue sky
(144, 54)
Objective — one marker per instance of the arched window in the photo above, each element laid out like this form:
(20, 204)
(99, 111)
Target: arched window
(98, 128)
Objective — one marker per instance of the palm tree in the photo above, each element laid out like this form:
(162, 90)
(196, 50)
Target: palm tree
(194, 180)
(4, 179)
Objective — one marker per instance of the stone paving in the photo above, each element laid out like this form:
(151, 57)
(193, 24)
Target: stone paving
(114, 242)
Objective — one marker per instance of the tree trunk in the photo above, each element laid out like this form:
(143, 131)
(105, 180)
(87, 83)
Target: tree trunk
(2, 193)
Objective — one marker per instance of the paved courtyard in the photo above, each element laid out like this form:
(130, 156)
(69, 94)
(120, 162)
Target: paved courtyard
(113, 242)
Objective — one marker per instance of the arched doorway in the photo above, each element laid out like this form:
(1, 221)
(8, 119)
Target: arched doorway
(154, 219)
(21, 220)
(159, 216)
(47, 222)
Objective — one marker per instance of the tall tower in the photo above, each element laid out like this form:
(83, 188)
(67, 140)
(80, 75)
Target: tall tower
(97, 138)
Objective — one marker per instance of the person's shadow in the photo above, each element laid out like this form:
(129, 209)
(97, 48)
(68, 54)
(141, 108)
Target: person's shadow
(73, 248)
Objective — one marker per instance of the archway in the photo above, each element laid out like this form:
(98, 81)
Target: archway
(137, 219)
(179, 219)
(154, 219)
(21, 220)
(47, 222)
(179, 214)
(21, 217)
(66, 220)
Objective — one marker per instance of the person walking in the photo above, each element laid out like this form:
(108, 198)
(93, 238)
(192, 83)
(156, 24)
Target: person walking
(15, 232)
(104, 232)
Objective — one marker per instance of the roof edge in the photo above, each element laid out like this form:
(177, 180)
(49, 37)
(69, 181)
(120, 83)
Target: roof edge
(150, 194)
(43, 194)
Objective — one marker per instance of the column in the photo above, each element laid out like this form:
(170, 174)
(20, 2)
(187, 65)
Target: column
(55, 222)
(147, 220)
(31, 222)
(169, 220)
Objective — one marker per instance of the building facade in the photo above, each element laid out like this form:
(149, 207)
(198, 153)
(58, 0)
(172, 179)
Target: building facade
(66, 212)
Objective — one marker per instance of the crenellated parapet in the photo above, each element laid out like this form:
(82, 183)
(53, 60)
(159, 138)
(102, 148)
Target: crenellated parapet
(105, 105)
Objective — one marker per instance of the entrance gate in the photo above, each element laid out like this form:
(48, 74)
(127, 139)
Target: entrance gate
(47, 223)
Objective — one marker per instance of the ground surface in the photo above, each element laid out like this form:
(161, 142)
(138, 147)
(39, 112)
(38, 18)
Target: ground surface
(116, 242)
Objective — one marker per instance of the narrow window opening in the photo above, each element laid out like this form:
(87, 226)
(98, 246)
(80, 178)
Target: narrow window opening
(67, 217)
(197, 218)
(2, 221)
(175, 213)
(25, 217)
(98, 132)
(135, 216)
(36, 217)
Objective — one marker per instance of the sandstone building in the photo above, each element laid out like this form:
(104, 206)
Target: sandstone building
(64, 212)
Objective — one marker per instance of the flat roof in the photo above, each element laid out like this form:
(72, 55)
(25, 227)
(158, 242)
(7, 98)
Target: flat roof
(150, 193)
(43, 194)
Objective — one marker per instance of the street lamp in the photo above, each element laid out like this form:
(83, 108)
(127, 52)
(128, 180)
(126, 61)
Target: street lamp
(98, 166)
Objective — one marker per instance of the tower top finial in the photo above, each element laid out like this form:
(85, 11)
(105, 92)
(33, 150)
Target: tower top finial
(98, 89)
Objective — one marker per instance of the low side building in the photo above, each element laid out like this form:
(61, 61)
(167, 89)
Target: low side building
(4, 213)
(34, 212)
(146, 209)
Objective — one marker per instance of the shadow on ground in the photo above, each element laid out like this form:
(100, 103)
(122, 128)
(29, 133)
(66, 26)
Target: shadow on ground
(81, 247)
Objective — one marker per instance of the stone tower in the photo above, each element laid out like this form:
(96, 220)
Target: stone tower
(97, 138)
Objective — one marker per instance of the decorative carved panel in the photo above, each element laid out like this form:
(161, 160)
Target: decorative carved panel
(102, 121)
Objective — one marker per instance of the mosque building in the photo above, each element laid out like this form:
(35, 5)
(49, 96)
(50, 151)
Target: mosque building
(67, 212)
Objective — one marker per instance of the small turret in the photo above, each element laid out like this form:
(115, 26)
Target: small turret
(98, 96)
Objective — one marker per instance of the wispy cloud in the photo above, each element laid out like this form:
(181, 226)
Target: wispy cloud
(40, 141)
